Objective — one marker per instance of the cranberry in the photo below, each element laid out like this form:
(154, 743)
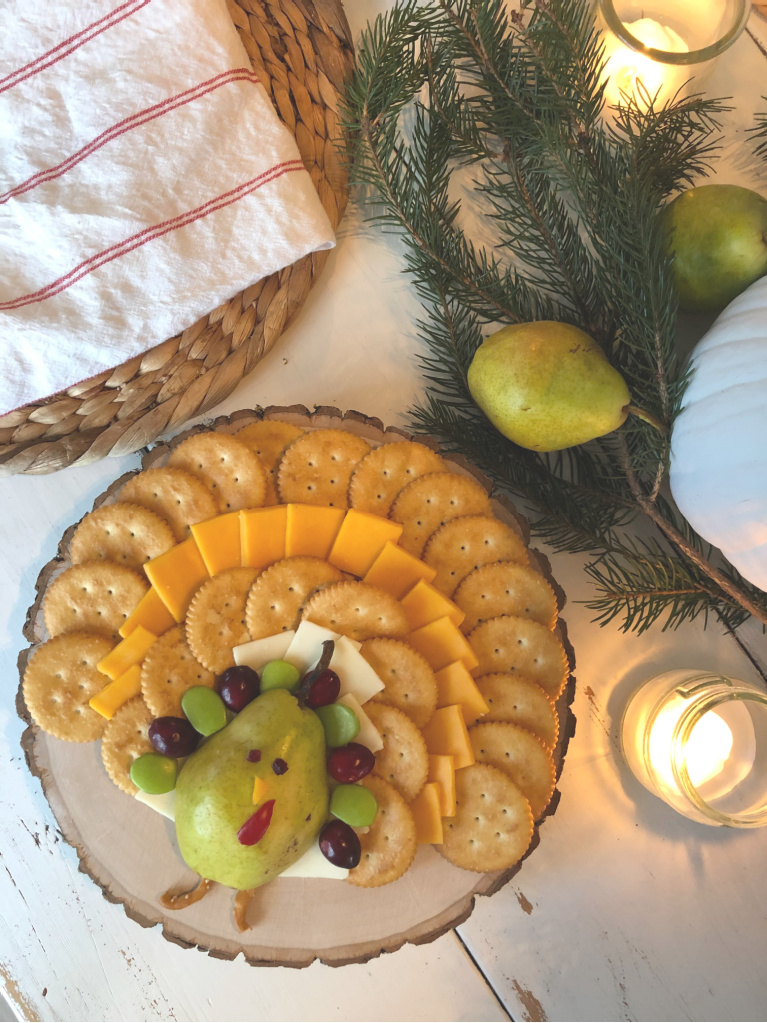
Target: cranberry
(279, 766)
(254, 756)
(173, 737)
(340, 845)
(350, 763)
(238, 686)
(324, 689)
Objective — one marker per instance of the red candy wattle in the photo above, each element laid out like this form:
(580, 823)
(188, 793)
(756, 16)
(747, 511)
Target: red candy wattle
(255, 827)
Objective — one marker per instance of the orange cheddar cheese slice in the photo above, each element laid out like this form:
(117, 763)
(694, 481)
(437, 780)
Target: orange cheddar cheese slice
(311, 530)
(260, 788)
(396, 571)
(446, 734)
(360, 540)
(455, 685)
(426, 810)
(131, 651)
(442, 773)
(112, 697)
(218, 540)
(177, 575)
(149, 612)
(441, 642)
(425, 604)
(262, 535)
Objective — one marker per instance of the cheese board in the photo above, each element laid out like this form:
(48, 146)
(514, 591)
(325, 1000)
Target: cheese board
(131, 853)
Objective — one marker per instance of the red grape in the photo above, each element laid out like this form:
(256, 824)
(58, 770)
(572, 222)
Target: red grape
(340, 845)
(324, 689)
(237, 686)
(351, 762)
(173, 737)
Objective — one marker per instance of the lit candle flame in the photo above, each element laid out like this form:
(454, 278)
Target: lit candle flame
(625, 67)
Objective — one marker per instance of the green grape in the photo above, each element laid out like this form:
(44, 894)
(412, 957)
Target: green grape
(354, 804)
(280, 675)
(340, 722)
(154, 773)
(205, 709)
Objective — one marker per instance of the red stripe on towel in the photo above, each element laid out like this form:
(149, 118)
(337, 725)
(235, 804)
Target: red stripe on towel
(150, 233)
(126, 125)
(71, 44)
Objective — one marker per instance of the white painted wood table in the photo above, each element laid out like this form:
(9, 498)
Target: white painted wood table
(625, 911)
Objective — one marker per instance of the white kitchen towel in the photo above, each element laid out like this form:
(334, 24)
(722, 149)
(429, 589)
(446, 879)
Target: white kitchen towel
(144, 179)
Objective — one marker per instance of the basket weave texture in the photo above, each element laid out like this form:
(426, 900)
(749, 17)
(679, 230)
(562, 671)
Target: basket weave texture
(302, 52)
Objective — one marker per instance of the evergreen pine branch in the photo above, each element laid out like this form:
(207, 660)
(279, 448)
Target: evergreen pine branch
(516, 100)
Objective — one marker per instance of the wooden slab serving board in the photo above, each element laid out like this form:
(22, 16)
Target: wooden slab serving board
(131, 853)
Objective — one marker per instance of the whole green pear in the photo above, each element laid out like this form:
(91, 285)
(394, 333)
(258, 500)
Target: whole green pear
(718, 237)
(547, 386)
(214, 792)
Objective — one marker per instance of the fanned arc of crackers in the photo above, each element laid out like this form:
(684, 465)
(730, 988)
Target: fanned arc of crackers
(480, 562)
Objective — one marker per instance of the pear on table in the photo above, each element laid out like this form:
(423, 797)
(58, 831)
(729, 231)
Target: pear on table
(547, 386)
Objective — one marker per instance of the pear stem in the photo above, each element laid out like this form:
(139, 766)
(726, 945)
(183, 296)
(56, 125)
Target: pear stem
(647, 417)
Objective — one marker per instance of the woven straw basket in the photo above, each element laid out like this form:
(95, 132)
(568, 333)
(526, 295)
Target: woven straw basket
(302, 52)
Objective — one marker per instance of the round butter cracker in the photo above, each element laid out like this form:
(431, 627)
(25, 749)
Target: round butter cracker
(390, 844)
(268, 439)
(403, 761)
(278, 594)
(126, 737)
(519, 646)
(409, 681)
(384, 471)
(215, 621)
(517, 699)
(168, 670)
(96, 596)
(358, 611)
(127, 534)
(175, 495)
(431, 500)
(504, 588)
(59, 680)
(493, 825)
(468, 542)
(316, 467)
(521, 755)
(226, 465)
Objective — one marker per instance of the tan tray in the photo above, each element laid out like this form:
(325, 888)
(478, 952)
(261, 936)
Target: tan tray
(294, 921)
(302, 52)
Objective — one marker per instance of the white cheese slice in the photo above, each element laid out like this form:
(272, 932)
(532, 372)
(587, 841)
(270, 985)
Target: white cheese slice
(356, 675)
(259, 652)
(314, 864)
(368, 733)
(306, 646)
(165, 803)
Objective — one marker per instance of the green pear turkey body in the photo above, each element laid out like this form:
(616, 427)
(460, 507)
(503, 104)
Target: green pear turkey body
(547, 386)
(214, 794)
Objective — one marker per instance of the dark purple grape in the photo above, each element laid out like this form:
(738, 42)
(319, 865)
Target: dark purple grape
(238, 686)
(323, 690)
(173, 737)
(340, 845)
(351, 762)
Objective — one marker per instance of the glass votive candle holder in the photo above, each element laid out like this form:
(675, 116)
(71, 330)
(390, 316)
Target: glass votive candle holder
(654, 47)
(698, 740)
